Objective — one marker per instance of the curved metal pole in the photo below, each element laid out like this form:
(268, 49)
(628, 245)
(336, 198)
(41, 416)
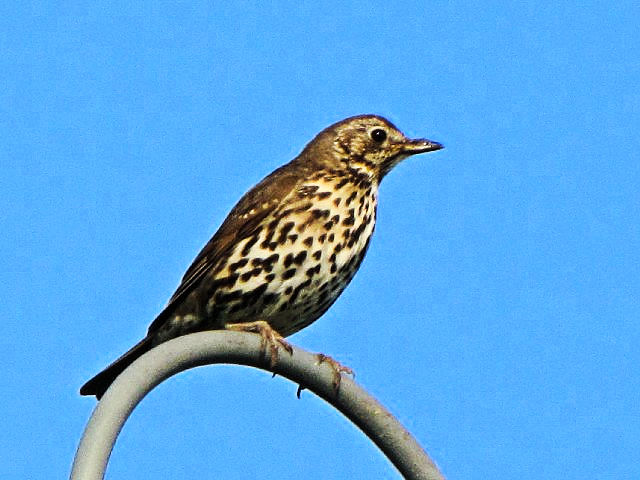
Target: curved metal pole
(242, 348)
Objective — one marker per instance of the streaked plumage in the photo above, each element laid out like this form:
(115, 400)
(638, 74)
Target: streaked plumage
(292, 243)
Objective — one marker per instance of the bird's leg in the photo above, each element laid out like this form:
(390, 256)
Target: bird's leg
(338, 369)
(270, 337)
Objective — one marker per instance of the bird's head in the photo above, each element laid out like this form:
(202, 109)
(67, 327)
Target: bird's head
(368, 143)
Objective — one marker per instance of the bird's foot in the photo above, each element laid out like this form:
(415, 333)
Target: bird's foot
(338, 369)
(270, 338)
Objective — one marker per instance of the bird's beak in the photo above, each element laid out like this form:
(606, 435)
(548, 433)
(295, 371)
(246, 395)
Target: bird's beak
(421, 145)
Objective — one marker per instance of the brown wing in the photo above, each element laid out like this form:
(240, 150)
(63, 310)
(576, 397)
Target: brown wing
(242, 222)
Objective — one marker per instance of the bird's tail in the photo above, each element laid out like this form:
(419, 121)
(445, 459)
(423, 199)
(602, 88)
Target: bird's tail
(99, 384)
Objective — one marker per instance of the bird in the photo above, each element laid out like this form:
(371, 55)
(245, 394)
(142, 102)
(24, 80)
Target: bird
(289, 247)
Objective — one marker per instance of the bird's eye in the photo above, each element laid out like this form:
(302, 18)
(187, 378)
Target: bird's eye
(378, 135)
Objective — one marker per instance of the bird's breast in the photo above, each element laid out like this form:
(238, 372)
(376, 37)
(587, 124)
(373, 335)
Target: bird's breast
(301, 257)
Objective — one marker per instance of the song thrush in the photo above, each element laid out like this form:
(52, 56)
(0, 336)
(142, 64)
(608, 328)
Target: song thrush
(289, 247)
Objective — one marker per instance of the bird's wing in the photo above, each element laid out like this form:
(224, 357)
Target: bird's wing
(243, 220)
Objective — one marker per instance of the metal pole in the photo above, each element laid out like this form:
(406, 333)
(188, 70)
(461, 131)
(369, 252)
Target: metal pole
(242, 348)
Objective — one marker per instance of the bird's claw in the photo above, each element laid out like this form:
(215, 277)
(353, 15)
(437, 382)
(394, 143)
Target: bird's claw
(270, 338)
(338, 370)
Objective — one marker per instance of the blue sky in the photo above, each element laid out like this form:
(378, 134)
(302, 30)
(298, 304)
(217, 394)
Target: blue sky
(496, 313)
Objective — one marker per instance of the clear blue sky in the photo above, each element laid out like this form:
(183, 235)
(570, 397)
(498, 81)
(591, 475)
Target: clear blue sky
(496, 313)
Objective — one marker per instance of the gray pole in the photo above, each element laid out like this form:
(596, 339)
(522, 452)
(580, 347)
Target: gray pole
(241, 348)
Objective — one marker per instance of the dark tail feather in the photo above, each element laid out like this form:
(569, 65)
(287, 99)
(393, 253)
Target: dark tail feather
(99, 384)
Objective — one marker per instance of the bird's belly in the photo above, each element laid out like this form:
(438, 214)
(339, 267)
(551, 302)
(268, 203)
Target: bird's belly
(291, 275)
